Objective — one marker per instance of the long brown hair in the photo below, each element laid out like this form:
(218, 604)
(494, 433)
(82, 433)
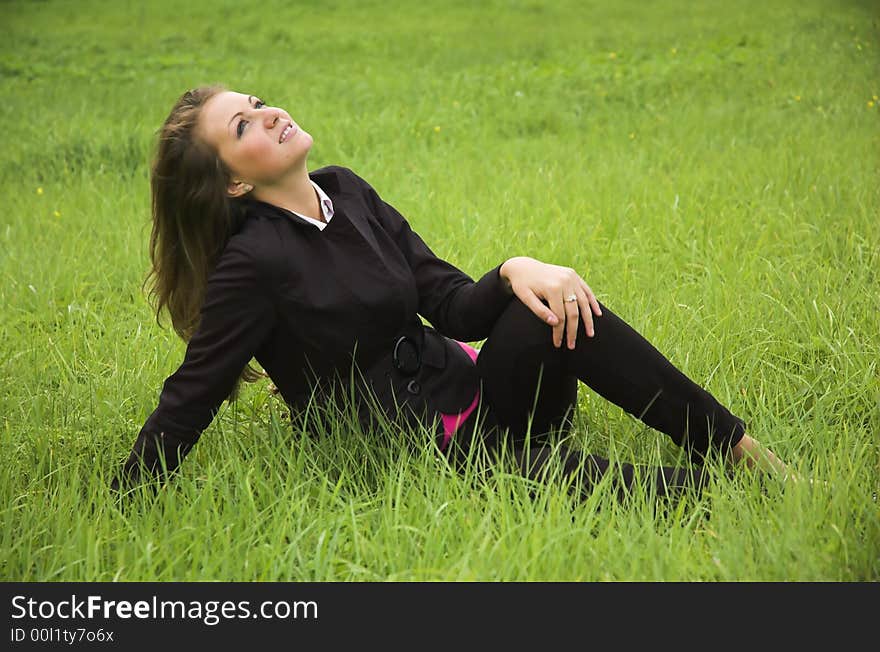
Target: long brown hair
(192, 217)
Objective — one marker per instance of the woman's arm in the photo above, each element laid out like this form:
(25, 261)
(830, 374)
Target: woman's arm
(466, 310)
(237, 315)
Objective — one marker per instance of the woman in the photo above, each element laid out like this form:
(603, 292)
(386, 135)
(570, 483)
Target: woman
(323, 283)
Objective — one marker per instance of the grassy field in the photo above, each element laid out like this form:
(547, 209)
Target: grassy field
(710, 168)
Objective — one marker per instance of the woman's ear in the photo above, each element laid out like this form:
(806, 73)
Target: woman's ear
(238, 188)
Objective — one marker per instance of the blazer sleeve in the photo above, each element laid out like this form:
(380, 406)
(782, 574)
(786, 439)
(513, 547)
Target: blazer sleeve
(236, 317)
(452, 301)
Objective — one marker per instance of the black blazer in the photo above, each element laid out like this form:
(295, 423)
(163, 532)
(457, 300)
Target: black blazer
(315, 307)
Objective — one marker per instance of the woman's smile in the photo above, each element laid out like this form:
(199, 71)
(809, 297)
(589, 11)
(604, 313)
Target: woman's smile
(244, 131)
(288, 132)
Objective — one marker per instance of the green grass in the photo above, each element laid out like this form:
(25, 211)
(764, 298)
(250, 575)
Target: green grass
(710, 168)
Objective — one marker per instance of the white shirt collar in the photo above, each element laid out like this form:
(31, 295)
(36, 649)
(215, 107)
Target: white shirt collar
(326, 209)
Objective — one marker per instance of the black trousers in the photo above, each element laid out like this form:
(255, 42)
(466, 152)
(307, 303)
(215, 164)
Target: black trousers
(529, 388)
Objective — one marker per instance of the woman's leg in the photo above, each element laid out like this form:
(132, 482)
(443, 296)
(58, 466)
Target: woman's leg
(530, 386)
(535, 461)
(617, 362)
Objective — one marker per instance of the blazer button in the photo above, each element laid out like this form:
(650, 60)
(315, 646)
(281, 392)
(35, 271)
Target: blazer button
(413, 387)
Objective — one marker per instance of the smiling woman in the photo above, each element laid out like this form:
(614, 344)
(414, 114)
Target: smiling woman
(325, 284)
(264, 149)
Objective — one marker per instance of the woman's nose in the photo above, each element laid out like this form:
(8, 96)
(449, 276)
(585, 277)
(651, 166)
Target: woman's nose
(270, 117)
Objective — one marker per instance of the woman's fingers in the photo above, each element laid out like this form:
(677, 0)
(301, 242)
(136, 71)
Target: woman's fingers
(583, 303)
(534, 304)
(558, 308)
(561, 298)
(594, 302)
(574, 302)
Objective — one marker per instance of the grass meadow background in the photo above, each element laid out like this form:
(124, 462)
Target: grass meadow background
(710, 168)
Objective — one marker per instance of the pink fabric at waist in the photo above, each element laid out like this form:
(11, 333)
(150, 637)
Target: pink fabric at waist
(451, 422)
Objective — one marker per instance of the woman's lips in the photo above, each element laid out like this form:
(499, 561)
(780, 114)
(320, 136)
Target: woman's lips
(288, 133)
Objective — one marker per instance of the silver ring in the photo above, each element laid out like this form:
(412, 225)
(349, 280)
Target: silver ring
(570, 298)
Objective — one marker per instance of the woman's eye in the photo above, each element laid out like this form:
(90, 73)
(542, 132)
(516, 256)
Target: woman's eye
(258, 104)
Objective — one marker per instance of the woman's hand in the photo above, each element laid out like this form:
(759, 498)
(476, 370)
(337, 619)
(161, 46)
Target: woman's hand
(569, 298)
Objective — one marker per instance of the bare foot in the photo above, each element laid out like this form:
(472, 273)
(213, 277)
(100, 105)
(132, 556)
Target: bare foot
(757, 456)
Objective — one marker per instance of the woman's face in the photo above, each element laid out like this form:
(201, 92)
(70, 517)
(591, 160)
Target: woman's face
(261, 145)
